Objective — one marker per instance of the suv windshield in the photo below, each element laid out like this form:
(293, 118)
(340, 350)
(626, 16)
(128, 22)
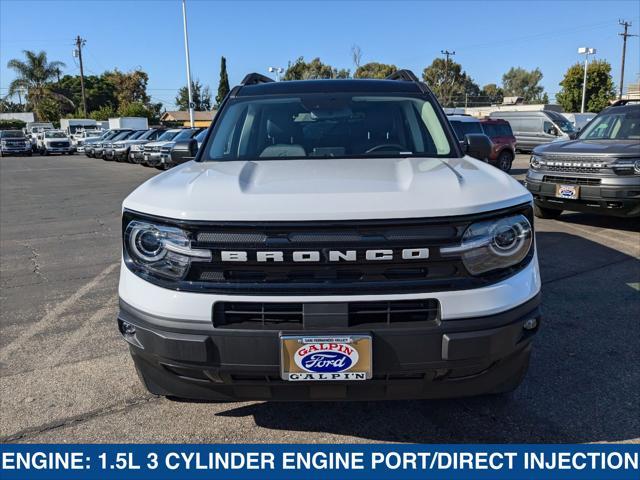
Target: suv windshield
(560, 120)
(320, 125)
(168, 135)
(54, 135)
(137, 134)
(185, 134)
(621, 125)
(122, 135)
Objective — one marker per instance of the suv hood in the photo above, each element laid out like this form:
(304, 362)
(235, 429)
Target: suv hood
(592, 147)
(327, 189)
(158, 144)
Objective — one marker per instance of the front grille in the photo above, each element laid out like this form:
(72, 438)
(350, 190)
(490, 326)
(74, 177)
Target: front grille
(571, 180)
(553, 168)
(148, 148)
(290, 316)
(59, 144)
(327, 273)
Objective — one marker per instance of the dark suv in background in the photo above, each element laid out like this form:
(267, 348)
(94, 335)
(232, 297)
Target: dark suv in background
(597, 172)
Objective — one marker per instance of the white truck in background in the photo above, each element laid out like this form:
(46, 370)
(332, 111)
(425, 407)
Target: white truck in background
(32, 129)
(133, 123)
(71, 126)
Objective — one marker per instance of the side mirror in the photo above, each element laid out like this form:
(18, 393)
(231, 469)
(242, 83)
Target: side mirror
(184, 151)
(553, 131)
(477, 145)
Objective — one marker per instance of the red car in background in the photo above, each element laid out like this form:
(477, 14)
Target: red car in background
(503, 150)
(504, 142)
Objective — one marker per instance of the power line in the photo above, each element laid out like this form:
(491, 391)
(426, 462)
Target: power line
(624, 36)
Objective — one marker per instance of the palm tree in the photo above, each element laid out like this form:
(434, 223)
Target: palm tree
(35, 76)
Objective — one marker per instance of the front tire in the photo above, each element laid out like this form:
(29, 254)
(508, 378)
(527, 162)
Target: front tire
(505, 160)
(542, 212)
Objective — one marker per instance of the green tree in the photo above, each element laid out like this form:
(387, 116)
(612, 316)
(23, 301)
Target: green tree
(301, 70)
(518, 82)
(104, 112)
(223, 86)
(491, 94)
(12, 124)
(35, 75)
(98, 90)
(449, 82)
(129, 87)
(600, 89)
(374, 70)
(201, 97)
(7, 106)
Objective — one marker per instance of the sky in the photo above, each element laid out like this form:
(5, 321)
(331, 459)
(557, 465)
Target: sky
(488, 37)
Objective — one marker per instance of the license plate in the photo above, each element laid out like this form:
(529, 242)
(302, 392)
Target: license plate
(325, 358)
(570, 192)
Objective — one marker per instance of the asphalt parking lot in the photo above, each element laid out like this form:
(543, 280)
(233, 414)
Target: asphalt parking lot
(66, 375)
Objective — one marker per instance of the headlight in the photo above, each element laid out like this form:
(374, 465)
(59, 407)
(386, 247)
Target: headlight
(160, 250)
(626, 166)
(165, 149)
(493, 244)
(137, 148)
(534, 161)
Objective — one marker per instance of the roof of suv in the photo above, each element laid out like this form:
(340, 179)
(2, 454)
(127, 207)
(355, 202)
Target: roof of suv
(326, 86)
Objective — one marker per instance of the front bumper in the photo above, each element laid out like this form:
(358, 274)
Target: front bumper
(477, 344)
(152, 158)
(449, 359)
(617, 196)
(63, 150)
(11, 150)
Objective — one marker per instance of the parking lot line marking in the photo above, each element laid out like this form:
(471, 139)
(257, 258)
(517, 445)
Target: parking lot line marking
(78, 334)
(52, 315)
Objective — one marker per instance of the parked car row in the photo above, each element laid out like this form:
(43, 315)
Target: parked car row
(156, 147)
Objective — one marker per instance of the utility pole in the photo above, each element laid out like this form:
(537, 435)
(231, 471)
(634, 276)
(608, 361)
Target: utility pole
(447, 54)
(186, 52)
(80, 42)
(624, 36)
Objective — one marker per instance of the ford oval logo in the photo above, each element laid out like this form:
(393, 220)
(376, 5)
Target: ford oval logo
(326, 357)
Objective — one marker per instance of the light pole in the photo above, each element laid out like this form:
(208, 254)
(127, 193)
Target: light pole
(586, 51)
(186, 52)
(278, 71)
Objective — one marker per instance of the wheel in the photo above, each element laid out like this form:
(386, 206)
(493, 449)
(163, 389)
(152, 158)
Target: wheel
(505, 159)
(29, 154)
(542, 212)
(44, 152)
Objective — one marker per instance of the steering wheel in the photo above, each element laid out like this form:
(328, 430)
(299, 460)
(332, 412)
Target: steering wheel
(395, 146)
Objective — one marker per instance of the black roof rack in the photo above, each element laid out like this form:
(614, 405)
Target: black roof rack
(255, 79)
(405, 75)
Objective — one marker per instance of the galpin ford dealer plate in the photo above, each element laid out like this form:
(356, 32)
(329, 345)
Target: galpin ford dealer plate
(327, 358)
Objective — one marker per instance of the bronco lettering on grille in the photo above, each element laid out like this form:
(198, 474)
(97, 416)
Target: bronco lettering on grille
(311, 256)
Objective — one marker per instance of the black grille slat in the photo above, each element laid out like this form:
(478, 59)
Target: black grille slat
(290, 316)
(571, 180)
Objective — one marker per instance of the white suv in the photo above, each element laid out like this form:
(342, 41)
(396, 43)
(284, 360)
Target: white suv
(332, 240)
